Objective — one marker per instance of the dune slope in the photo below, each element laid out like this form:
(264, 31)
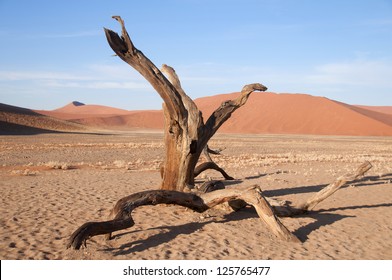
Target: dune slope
(298, 114)
(17, 120)
(264, 113)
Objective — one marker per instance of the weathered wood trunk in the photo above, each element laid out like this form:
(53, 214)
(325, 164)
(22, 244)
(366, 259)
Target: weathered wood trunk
(183, 149)
(186, 134)
(180, 162)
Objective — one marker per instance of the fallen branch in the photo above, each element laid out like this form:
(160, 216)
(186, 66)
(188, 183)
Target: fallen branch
(198, 202)
(337, 184)
(285, 208)
(267, 208)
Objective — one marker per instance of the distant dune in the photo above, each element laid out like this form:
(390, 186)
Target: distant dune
(298, 114)
(107, 117)
(380, 109)
(77, 110)
(76, 107)
(264, 113)
(133, 120)
(17, 120)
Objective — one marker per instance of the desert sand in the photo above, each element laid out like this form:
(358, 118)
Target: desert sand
(53, 183)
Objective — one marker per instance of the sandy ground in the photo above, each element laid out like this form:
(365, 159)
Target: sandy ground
(52, 183)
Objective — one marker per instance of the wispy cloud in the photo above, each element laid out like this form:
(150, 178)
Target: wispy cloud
(40, 75)
(94, 77)
(363, 80)
(355, 73)
(39, 36)
(352, 81)
(95, 85)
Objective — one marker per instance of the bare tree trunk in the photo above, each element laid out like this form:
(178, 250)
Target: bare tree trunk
(185, 132)
(181, 156)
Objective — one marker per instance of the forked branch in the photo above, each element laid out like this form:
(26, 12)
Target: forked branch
(223, 113)
(126, 50)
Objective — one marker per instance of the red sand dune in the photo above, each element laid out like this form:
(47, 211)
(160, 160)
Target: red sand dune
(76, 110)
(17, 120)
(380, 109)
(268, 113)
(107, 117)
(136, 119)
(298, 114)
(76, 107)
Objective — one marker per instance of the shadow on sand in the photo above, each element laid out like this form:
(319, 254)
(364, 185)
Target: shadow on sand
(12, 129)
(365, 181)
(322, 217)
(168, 233)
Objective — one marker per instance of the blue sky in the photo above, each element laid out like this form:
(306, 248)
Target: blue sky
(55, 52)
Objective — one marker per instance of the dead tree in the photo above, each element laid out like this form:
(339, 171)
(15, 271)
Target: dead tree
(186, 133)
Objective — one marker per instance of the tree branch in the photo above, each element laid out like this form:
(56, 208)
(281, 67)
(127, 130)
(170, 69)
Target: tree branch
(287, 209)
(194, 117)
(206, 153)
(267, 208)
(126, 50)
(211, 165)
(214, 152)
(198, 202)
(223, 113)
(336, 185)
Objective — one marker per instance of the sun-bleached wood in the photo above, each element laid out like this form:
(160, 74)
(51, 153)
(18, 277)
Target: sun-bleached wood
(201, 202)
(288, 209)
(333, 187)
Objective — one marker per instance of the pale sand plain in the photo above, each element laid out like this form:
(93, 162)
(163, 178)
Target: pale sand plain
(53, 183)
